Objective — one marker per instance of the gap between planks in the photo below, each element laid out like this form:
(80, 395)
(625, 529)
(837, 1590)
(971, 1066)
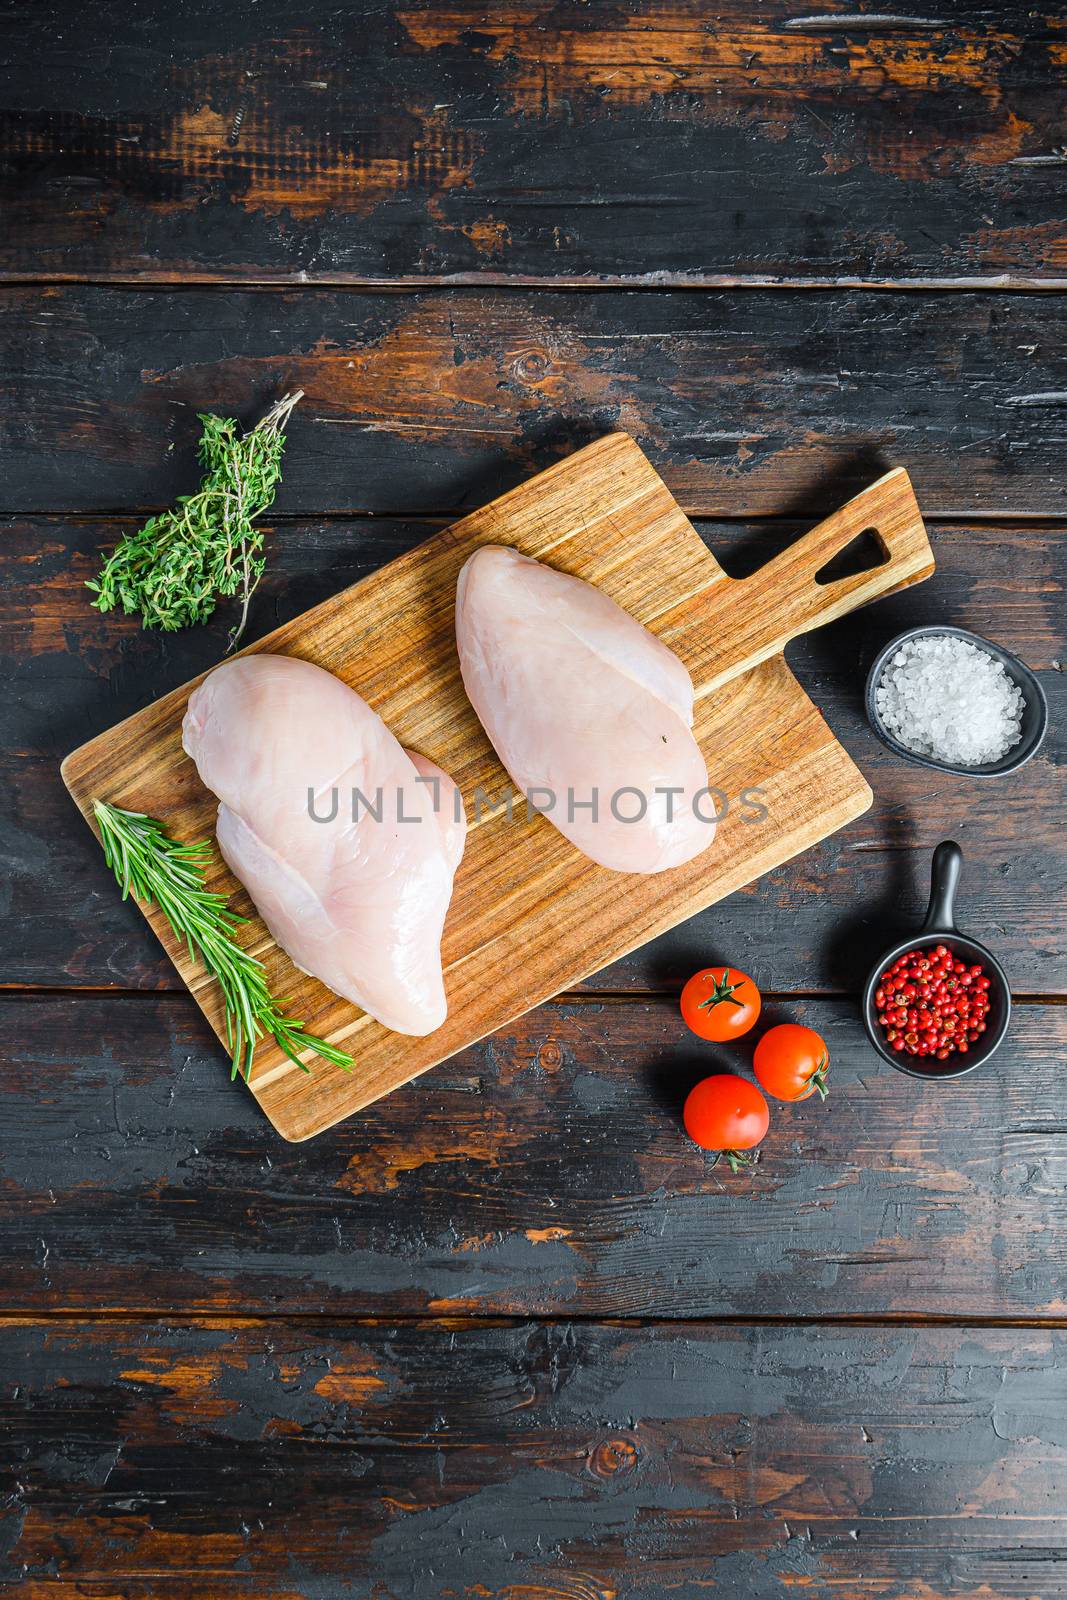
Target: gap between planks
(209, 1318)
(651, 283)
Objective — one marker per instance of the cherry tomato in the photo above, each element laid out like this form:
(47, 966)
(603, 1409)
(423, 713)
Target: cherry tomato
(720, 1003)
(727, 1114)
(791, 1062)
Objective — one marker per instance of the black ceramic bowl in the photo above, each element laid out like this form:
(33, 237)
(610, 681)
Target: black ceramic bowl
(1035, 713)
(940, 928)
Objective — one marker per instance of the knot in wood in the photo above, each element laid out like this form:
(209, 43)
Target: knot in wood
(611, 1457)
(531, 366)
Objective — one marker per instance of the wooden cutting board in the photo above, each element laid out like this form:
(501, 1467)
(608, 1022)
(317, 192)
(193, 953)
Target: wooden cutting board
(530, 915)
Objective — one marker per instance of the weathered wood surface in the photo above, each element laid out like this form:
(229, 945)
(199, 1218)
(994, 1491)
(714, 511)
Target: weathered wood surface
(542, 1171)
(565, 1462)
(748, 403)
(599, 139)
(583, 144)
(812, 925)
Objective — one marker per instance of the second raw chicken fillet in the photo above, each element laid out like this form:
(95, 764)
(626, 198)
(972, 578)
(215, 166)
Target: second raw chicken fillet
(359, 903)
(583, 703)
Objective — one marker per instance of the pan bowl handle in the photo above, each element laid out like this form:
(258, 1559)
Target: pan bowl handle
(945, 871)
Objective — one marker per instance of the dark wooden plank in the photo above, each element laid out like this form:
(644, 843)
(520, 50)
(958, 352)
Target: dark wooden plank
(544, 1170)
(562, 1463)
(750, 403)
(598, 138)
(812, 925)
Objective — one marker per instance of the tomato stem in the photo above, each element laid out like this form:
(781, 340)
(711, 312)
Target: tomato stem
(723, 990)
(736, 1158)
(818, 1077)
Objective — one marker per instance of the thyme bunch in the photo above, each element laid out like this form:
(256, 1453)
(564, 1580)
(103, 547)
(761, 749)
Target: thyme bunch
(175, 569)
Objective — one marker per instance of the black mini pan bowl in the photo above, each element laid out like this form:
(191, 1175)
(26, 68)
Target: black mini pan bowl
(940, 928)
(1035, 706)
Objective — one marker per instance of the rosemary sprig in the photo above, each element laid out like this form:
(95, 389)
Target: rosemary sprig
(151, 865)
(177, 567)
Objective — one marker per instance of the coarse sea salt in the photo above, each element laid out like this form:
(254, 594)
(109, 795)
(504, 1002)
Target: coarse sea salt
(947, 699)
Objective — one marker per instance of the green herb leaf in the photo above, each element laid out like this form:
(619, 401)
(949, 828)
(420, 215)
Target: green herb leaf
(175, 569)
(157, 869)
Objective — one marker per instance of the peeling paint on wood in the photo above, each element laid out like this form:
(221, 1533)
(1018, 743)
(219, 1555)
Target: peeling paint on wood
(531, 1463)
(577, 140)
(762, 404)
(544, 1170)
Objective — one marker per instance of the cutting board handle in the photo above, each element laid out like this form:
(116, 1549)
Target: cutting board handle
(784, 599)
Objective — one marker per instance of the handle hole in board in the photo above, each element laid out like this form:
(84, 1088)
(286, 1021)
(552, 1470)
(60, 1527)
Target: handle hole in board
(862, 554)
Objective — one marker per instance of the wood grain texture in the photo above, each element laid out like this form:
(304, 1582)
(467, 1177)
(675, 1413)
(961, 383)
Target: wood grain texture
(528, 908)
(532, 1463)
(597, 139)
(78, 673)
(748, 404)
(543, 1171)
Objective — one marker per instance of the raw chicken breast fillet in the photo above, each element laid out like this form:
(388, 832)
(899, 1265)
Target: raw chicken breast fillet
(579, 699)
(359, 904)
